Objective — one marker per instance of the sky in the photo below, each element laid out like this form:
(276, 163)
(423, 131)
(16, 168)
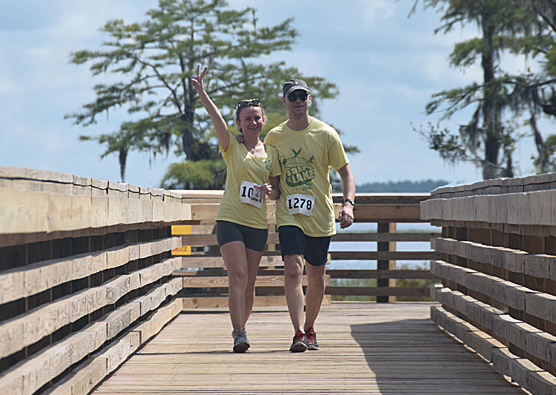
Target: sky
(385, 65)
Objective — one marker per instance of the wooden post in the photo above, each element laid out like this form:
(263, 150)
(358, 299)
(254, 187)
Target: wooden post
(386, 265)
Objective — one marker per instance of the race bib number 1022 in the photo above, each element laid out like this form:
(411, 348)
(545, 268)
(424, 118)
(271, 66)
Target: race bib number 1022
(248, 194)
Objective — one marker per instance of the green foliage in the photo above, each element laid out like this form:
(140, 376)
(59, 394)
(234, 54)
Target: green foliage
(536, 90)
(202, 174)
(154, 61)
(548, 154)
(448, 145)
(488, 140)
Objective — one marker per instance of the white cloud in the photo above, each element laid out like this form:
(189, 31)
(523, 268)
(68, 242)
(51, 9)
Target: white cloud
(374, 10)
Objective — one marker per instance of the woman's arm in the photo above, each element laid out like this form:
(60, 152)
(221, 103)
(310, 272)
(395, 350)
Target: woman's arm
(219, 123)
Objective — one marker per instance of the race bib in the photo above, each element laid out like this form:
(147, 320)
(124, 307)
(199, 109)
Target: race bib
(300, 204)
(248, 194)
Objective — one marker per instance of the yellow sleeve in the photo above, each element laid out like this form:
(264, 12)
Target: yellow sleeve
(336, 153)
(276, 169)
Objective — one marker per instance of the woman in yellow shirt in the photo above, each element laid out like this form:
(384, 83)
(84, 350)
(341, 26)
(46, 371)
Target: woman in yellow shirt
(241, 224)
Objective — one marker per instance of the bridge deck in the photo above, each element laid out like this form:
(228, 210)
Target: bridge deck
(365, 348)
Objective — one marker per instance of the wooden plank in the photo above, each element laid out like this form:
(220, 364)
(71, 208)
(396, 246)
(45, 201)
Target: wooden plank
(11, 285)
(212, 262)
(38, 277)
(385, 212)
(363, 213)
(23, 212)
(365, 349)
(384, 198)
(520, 370)
(377, 291)
(101, 364)
(384, 237)
(384, 255)
(210, 239)
(222, 282)
(34, 325)
(396, 274)
(222, 301)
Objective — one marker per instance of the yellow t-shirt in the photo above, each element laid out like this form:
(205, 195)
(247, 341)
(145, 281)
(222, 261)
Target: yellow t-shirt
(305, 157)
(243, 166)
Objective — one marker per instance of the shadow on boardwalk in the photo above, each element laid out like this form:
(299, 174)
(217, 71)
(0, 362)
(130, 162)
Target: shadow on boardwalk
(416, 357)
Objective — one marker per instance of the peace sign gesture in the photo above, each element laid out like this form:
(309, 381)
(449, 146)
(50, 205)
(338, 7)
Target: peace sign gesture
(197, 80)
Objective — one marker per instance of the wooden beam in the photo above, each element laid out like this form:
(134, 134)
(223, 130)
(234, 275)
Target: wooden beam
(382, 274)
(383, 237)
(38, 277)
(385, 212)
(222, 282)
(384, 255)
(210, 239)
(209, 302)
(374, 291)
(193, 261)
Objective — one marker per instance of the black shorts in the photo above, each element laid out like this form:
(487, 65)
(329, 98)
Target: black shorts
(253, 238)
(294, 242)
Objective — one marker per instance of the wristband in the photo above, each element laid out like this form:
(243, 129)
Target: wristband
(349, 201)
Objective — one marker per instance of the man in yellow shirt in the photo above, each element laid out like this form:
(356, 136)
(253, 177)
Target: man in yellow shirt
(307, 148)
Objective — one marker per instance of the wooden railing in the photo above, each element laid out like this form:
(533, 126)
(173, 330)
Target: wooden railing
(90, 270)
(85, 277)
(204, 276)
(498, 271)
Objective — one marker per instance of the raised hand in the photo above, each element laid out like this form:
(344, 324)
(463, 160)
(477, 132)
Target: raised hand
(197, 80)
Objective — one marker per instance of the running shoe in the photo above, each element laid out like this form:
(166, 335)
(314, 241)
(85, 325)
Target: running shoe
(299, 342)
(241, 344)
(311, 337)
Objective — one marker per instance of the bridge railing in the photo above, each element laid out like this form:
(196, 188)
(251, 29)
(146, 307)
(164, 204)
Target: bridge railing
(90, 270)
(85, 277)
(375, 257)
(498, 271)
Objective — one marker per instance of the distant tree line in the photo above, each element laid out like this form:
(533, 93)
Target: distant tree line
(402, 186)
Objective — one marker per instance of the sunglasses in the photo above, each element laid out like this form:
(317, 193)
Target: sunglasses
(247, 103)
(301, 95)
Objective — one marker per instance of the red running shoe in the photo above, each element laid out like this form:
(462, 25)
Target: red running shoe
(311, 337)
(299, 342)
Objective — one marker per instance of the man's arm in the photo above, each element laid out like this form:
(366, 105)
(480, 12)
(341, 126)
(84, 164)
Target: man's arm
(348, 188)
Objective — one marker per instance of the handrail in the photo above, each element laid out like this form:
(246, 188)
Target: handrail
(498, 270)
(85, 276)
(382, 209)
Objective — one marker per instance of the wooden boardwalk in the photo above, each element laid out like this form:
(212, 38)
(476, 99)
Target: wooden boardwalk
(366, 348)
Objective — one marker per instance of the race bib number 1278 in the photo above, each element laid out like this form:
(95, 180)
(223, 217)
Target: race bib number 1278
(300, 204)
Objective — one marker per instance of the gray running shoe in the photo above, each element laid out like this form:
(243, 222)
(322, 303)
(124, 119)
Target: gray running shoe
(311, 337)
(299, 343)
(241, 344)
